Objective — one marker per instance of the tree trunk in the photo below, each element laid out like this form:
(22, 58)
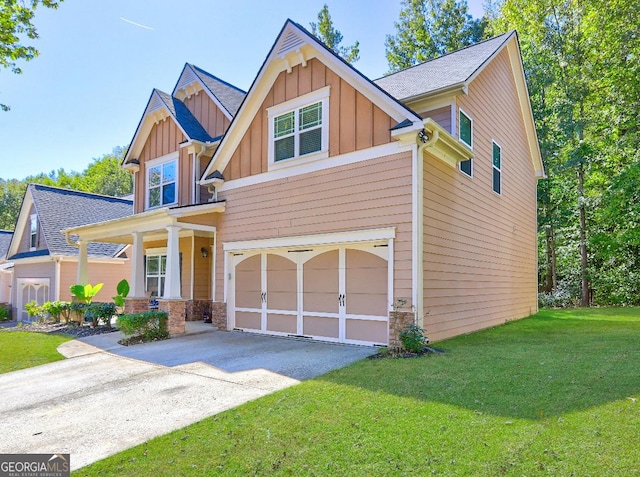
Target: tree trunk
(584, 258)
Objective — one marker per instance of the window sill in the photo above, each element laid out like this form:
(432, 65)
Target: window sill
(298, 161)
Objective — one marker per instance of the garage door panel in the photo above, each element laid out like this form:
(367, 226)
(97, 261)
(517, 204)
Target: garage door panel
(321, 283)
(286, 300)
(248, 320)
(249, 283)
(367, 330)
(282, 323)
(367, 304)
(320, 326)
(248, 299)
(366, 283)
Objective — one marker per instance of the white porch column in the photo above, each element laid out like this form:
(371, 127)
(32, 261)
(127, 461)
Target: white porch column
(172, 277)
(137, 289)
(82, 277)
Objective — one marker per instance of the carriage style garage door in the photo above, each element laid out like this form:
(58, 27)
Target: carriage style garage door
(333, 294)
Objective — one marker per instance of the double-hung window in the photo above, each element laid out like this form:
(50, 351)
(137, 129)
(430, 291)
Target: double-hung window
(299, 127)
(33, 239)
(155, 274)
(162, 184)
(497, 168)
(465, 133)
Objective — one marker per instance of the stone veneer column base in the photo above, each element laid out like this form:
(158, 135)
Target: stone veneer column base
(397, 321)
(136, 305)
(219, 314)
(176, 310)
(196, 308)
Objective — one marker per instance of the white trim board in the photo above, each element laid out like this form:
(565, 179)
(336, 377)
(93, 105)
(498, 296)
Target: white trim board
(301, 166)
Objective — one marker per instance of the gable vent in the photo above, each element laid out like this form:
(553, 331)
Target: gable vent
(290, 42)
(154, 104)
(186, 79)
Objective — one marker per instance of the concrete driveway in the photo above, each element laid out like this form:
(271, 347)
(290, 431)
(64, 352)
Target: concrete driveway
(106, 398)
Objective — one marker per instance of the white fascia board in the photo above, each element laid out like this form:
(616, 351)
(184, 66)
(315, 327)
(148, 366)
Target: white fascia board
(197, 209)
(32, 260)
(23, 218)
(334, 238)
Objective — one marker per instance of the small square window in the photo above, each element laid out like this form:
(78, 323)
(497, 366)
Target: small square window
(299, 132)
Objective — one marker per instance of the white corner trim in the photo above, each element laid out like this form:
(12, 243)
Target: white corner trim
(303, 166)
(333, 238)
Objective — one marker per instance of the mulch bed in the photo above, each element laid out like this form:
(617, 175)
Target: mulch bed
(133, 340)
(61, 329)
(401, 353)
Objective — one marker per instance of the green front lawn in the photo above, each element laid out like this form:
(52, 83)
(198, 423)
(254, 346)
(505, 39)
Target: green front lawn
(555, 394)
(20, 349)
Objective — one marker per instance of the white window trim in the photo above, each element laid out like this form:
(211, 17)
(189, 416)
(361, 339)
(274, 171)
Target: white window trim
(318, 96)
(461, 111)
(172, 157)
(31, 233)
(159, 276)
(499, 169)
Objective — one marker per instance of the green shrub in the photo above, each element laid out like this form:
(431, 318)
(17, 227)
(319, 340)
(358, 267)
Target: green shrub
(122, 290)
(150, 326)
(77, 310)
(100, 313)
(55, 309)
(34, 310)
(5, 314)
(413, 339)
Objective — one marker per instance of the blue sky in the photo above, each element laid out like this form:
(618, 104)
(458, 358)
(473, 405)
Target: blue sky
(87, 90)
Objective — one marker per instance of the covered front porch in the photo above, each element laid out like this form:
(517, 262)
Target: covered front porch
(173, 256)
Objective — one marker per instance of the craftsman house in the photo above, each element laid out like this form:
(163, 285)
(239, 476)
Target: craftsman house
(326, 205)
(45, 265)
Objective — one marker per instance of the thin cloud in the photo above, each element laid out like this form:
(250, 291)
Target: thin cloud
(137, 24)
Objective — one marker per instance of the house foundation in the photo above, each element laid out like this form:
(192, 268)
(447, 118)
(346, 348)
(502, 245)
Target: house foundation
(195, 309)
(219, 314)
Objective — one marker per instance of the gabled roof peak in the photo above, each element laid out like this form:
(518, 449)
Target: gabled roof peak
(193, 79)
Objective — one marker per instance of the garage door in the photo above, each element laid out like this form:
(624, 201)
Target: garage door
(338, 294)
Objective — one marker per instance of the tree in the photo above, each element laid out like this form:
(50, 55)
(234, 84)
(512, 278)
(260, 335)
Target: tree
(427, 29)
(581, 63)
(103, 176)
(327, 34)
(15, 21)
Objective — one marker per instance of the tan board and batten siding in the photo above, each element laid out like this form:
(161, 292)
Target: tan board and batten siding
(479, 247)
(25, 241)
(207, 113)
(364, 195)
(355, 123)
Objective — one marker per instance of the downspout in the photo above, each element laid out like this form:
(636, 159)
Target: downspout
(56, 290)
(423, 140)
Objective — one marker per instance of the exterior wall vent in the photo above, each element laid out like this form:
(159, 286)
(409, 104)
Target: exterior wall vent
(291, 42)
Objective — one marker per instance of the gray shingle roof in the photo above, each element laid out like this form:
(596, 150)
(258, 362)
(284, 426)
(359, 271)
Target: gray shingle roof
(229, 96)
(183, 116)
(442, 72)
(59, 209)
(5, 240)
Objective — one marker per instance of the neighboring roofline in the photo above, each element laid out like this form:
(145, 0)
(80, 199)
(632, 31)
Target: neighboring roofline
(81, 192)
(398, 106)
(21, 222)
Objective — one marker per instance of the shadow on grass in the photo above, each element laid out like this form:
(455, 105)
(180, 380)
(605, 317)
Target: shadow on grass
(546, 365)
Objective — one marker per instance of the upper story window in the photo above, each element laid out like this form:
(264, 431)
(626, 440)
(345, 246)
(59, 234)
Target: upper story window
(162, 183)
(465, 134)
(299, 128)
(497, 168)
(33, 239)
